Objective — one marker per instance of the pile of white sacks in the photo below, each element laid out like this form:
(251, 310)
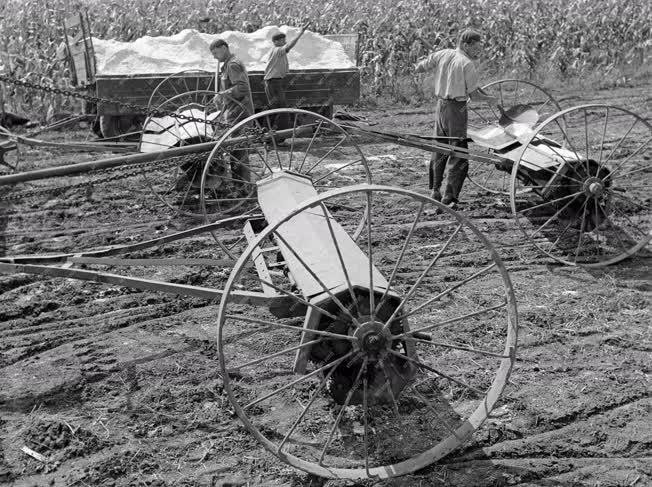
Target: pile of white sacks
(189, 49)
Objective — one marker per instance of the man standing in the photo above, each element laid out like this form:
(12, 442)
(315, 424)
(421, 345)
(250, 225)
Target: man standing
(276, 70)
(237, 103)
(456, 80)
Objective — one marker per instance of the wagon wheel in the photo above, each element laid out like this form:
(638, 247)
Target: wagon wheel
(311, 144)
(179, 83)
(594, 202)
(176, 184)
(510, 92)
(391, 381)
(9, 152)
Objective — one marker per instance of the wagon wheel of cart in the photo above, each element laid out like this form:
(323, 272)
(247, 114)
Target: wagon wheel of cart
(185, 119)
(514, 95)
(375, 384)
(179, 83)
(9, 152)
(589, 175)
(307, 143)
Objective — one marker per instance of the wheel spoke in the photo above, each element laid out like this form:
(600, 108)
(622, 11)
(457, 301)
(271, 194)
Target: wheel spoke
(338, 419)
(291, 326)
(314, 135)
(428, 302)
(399, 261)
(623, 214)
(274, 355)
(553, 217)
(372, 305)
(330, 151)
(615, 171)
(303, 378)
(298, 299)
(613, 151)
(313, 396)
(435, 371)
(582, 228)
(340, 259)
(388, 381)
(421, 277)
(457, 347)
(448, 322)
(271, 135)
(547, 203)
(604, 135)
(336, 170)
(319, 281)
(432, 408)
(365, 411)
(294, 128)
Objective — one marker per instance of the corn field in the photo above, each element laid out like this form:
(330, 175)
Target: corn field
(531, 38)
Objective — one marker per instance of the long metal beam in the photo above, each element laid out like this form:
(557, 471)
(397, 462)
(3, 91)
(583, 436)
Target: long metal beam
(241, 297)
(84, 167)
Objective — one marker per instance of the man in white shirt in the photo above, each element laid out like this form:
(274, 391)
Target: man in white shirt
(276, 70)
(456, 80)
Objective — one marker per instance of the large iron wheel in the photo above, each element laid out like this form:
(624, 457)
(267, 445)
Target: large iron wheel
(181, 82)
(590, 168)
(383, 383)
(307, 143)
(177, 184)
(510, 93)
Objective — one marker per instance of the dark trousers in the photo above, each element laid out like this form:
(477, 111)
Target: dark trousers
(451, 121)
(275, 90)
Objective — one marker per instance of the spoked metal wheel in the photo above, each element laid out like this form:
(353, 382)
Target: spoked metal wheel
(593, 185)
(304, 143)
(176, 183)
(381, 383)
(510, 93)
(9, 152)
(179, 83)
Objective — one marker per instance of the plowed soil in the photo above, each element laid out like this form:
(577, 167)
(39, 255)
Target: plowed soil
(120, 387)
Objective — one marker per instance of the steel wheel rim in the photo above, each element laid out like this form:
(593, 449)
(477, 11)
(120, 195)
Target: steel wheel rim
(275, 158)
(597, 216)
(445, 446)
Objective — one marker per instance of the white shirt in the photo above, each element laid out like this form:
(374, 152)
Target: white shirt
(454, 72)
(277, 66)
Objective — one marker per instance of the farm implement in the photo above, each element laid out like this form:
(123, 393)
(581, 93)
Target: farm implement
(578, 182)
(339, 328)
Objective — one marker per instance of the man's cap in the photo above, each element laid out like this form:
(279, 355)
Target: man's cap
(278, 36)
(218, 43)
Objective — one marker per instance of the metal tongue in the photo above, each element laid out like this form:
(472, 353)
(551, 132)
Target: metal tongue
(524, 114)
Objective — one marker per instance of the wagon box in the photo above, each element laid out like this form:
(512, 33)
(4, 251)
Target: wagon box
(314, 89)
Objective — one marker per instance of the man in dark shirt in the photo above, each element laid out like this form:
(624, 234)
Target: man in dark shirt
(237, 103)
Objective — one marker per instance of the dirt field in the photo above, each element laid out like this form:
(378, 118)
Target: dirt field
(120, 387)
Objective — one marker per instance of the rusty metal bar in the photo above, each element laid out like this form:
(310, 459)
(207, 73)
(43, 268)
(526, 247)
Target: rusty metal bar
(84, 167)
(426, 144)
(240, 297)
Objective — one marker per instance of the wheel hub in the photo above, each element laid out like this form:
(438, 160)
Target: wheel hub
(373, 340)
(594, 187)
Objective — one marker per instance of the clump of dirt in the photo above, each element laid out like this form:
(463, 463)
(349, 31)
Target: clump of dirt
(59, 441)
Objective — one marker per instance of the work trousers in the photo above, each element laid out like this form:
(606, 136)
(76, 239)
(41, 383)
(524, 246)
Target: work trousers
(275, 89)
(451, 121)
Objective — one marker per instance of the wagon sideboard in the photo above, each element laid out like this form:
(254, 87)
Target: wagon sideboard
(306, 88)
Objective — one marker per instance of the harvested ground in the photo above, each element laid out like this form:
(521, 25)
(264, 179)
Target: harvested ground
(121, 387)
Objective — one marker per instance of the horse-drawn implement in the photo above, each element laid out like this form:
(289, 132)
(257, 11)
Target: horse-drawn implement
(338, 334)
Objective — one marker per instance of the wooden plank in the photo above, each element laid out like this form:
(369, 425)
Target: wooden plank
(259, 261)
(305, 89)
(311, 322)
